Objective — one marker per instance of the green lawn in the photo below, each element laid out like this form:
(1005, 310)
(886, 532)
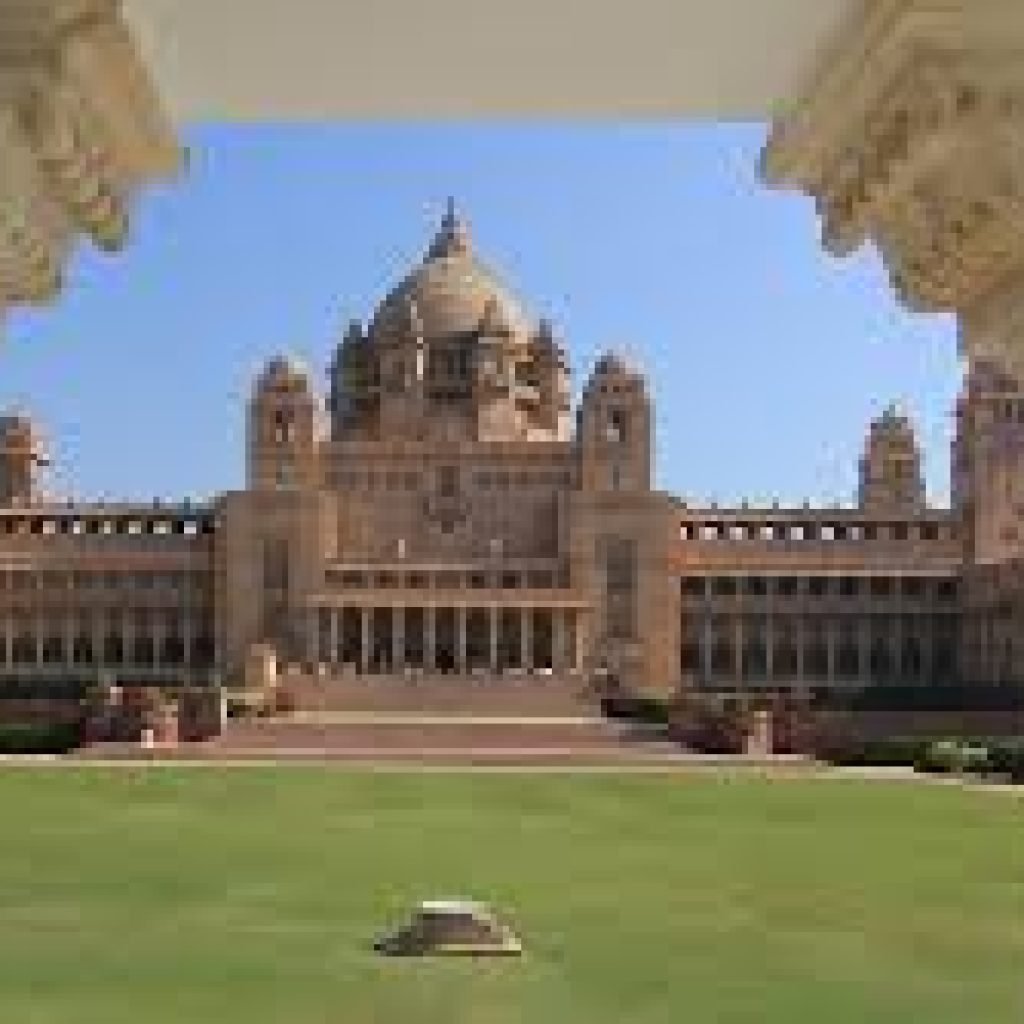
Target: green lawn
(201, 895)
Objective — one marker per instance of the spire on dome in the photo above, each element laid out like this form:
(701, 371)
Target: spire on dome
(452, 238)
(893, 415)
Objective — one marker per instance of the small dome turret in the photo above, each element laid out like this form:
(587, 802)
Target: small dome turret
(890, 469)
(283, 374)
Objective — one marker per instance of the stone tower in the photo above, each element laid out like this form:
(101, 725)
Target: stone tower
(622, 534)
(20, 454)
(891, 478)
(614, 429)
(283, 429)
(988, 464)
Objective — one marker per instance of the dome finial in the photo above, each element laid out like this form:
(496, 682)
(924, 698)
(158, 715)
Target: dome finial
(453, 236)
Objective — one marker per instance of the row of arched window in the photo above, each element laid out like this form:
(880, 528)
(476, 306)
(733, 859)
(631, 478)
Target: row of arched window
(909, 661)
(24, 650)
(816, 531)
(912, 586)
(79, 526)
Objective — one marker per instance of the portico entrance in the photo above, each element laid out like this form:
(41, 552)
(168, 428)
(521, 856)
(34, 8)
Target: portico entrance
(446, 639)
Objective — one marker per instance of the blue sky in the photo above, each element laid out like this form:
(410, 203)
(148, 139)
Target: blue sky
(766, 358)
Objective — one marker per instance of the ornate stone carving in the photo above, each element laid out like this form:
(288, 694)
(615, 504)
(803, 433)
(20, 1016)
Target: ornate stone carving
(911, 135)
(80, 131)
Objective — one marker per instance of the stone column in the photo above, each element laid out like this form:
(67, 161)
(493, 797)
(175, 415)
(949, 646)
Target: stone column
(493, 622)
(557, 641)
(39, 634)
(364, 640)
(526, 638)
(311, 632)
(461, 615)
(910, 133)
(707, 641)
(157, 632)
(738, 637)
(864, 646)
(897, 643)
(398, 639)
(70, 635)
(575, 642)
(801, 637)
(186, 639)
(334, 628)
(580, 624)
(128, 638)
(429, 639)
(830, 646)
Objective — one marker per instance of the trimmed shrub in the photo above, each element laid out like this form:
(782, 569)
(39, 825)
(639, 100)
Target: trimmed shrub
(633, 708)
(938, 696)
(39, 738)
(975, 759)
(1006, 759)
(897, 752)
(706, 723)
(943, 757)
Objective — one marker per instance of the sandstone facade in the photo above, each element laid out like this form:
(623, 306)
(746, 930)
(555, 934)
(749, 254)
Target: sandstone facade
(446, 511)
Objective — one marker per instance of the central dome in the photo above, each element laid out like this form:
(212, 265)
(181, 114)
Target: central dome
(450, 294)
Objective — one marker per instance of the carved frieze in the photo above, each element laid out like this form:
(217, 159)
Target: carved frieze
(80, 131)
(911, 135)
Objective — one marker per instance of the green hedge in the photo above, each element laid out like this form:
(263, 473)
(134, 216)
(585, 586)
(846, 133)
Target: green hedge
(31, 738)
(953, 757)
(930, 697)
(1006, 758)
(631, 708)
(896, 753)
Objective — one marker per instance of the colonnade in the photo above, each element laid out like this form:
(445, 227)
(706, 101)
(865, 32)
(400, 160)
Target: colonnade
(29, 642)
(818, 650)
(458, 639)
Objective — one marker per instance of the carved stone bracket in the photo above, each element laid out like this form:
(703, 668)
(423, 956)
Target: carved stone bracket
(911, 135)
(80, 131)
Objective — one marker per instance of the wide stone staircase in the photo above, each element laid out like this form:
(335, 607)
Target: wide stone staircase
(507, 720)
(439, 739)
(508, 695)
(510, 719)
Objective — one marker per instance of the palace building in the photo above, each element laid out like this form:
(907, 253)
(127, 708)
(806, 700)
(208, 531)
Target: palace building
(445, 512)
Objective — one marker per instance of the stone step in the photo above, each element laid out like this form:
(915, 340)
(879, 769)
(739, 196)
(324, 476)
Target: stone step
(543, 696)
(438, 733)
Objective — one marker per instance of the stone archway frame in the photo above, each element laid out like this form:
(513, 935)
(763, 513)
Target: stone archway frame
(81, 130)
(910, 134)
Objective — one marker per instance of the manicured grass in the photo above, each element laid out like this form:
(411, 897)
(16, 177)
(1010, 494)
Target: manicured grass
(251, 895)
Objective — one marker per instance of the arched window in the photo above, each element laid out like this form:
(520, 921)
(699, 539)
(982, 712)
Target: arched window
(722, 662)
(172, 651)
(83, 653)
(23, 650)
(755, 660)
(816, 659)
(880, 661)
(113, 649)
(910, 659)
(53, 649)
(617, 430)
(142, 651)
(284, 426)
(847, 660)
(784, 660)
(203, 651)
(689, 658)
